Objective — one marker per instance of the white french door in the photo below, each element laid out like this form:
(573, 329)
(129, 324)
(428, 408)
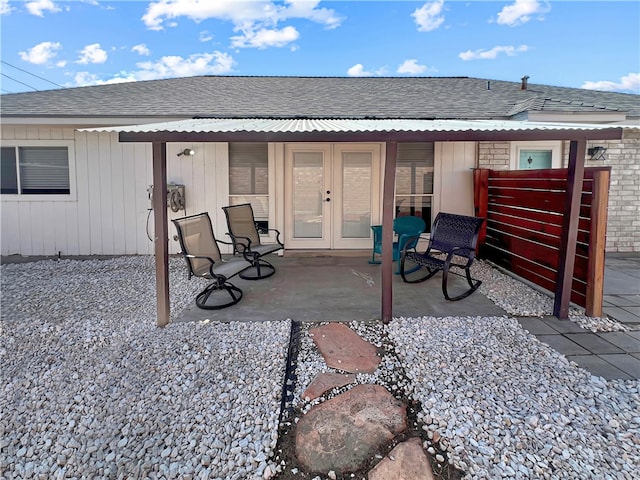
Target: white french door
(331, 194)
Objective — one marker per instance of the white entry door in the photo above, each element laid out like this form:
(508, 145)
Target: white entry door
(331, 194)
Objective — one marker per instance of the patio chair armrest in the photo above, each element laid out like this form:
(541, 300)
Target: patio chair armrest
(452, 253)
(264, 230)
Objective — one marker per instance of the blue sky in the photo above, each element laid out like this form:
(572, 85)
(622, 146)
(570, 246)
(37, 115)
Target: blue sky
(584, 44)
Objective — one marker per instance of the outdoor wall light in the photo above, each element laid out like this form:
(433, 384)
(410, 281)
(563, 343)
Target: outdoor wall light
(188, 152)
(596, 153)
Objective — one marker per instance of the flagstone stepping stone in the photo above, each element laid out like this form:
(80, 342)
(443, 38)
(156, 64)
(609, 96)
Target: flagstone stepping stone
(343, 349)
(326, 381)
(407, 461)
(345, 432)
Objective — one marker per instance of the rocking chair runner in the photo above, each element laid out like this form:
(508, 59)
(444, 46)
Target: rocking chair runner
(245, 234)
(451, 236)
(200, 250)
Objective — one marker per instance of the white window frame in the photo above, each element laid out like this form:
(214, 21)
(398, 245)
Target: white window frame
(271, 235)
(58, 197)
(554, 146)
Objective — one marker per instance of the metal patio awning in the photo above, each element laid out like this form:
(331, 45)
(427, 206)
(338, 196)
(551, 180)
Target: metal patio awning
(389, 131)
(353, 130)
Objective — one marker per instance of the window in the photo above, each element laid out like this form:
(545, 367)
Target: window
(414, 180)
(535, 155)
(35, 170)
(249, 178)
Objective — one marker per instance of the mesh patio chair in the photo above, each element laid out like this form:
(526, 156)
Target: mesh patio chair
(408, 228)
(202, 254)
(452, 237)
(245, 235)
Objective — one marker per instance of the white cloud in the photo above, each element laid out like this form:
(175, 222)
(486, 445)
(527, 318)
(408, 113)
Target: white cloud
(358, 71)
(216, 63)
(265, 38)
(5, 8)
(521, 12)
(41, 53)
(411, 67)
(38, 7)
(83, 79)
(92, 54)
(141, 49)
(493, 53)
(429, 16)
(205, 36)
(629, 83)
(256, 21)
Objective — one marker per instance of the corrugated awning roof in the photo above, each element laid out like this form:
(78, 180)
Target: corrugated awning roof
(309, 125)
(355, 130)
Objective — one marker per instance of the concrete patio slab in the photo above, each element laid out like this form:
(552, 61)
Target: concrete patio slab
(536, 326)
(593, 343)
(563, 345)
(327, 288)
(621, 314)
(563, 326)
(599, 367)
(623, 340)
(625, 362)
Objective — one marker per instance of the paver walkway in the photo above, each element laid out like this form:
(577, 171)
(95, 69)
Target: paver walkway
(611, 355)
(342, 434)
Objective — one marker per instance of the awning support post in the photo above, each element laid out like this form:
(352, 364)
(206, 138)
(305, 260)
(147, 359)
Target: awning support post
(387, 230)
(567, 253)
(161, 239)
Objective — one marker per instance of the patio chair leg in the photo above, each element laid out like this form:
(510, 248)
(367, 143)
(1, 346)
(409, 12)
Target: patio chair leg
(260, 269)
(213, 291)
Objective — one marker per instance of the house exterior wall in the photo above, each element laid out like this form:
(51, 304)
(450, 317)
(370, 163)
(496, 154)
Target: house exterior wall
(623, 156)
(109, 215)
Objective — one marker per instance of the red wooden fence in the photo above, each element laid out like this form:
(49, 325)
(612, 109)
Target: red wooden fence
(524, 211)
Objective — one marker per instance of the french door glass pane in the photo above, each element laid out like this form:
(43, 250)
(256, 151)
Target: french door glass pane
(308, 195)
(356, 194)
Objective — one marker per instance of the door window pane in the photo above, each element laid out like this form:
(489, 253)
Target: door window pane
(534, 159)
(308, 194)
(356, 193)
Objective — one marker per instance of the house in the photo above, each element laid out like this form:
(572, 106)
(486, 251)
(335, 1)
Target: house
(74, 183)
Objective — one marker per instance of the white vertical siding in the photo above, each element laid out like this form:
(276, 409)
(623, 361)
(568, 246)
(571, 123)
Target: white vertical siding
(109, 213)
(453, 183)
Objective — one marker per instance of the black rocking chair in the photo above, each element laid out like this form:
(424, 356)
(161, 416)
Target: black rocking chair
(451, 236)
(201, 252)
(245, 234)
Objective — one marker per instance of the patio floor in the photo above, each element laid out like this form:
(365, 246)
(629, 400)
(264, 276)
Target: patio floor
(317, 288)
(338, 288)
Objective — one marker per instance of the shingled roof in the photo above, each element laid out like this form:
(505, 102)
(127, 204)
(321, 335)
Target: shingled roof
(314, 97)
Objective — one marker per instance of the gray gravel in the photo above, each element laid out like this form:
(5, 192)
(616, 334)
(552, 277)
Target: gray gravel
(93, 389)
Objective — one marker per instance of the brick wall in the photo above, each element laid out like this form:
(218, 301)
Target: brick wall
(623, 156)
